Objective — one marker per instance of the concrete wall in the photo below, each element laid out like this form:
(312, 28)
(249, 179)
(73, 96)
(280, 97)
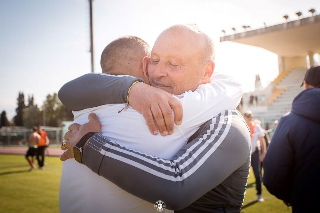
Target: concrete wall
(289, 63)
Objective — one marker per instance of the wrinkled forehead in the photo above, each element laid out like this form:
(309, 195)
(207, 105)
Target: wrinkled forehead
(180, 37)
(180, 43)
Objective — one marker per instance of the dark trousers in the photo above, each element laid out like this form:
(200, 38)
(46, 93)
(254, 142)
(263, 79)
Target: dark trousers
(31, 153)
(40, 155)
(255, 163)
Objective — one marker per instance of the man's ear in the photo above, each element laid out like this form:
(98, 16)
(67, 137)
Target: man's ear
(209, 68)
(145, 62)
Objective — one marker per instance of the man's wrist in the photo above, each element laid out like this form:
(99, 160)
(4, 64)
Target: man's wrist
(86, 143)
(78, 148)
(130, 88)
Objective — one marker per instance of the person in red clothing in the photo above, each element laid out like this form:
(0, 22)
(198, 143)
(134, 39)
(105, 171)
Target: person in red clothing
(42, 145)
(258, 150)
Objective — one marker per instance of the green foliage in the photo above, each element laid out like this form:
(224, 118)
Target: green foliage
(52, 104)
(18, 119)
(4, 120)
(55, 112)
(52, 114)
(32, 116)
(31, 101)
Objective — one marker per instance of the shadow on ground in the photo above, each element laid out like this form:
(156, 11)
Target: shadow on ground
(15, 166)
(249, 204)
(13, 172)
(250, 185)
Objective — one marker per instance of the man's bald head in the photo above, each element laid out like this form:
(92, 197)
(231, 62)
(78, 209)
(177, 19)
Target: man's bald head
(193, 32)
(182, 58)
(124, 56)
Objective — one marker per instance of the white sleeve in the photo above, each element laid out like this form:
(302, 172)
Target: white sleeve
(208, 100)
(259, 131)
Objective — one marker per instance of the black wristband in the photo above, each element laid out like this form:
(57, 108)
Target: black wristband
(84, 139)
(77, 149)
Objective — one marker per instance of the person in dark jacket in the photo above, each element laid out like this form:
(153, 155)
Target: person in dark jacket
(292, 163)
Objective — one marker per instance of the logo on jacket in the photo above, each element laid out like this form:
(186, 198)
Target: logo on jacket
(160, 206)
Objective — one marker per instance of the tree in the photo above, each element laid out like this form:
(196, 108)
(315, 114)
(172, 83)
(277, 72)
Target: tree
(18, 119)
(4, 119)
(31, 116)
(55, 112)
(65, 114)
(30, 100)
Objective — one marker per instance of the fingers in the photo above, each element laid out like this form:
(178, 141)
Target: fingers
(168, 117)
(150, 122)
(159, 119)
(63, 157)
(71, 139)
(94, 124)
(67, 155)
(156, 107)
(177, 109)
(73, 126)
(76, 131)
(67, 135)
(93, 117)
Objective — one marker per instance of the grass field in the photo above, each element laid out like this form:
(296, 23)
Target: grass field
(22, 191)
(38, 191)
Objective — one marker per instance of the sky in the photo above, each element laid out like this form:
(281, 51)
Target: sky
(46, 43)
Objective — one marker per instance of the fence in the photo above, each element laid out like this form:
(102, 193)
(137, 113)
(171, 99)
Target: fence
(18, 136)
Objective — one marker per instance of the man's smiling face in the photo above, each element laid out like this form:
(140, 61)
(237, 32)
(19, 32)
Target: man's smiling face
(175, 63)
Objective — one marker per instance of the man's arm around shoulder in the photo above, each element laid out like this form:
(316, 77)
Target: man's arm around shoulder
(81, 93)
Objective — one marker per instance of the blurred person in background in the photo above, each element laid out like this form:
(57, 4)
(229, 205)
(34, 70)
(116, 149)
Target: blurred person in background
(275, 123)
(263, 149)
(42, 145)
(292, 163)
(33, 141)
(258, 150)
(251, 98)
(267, 132)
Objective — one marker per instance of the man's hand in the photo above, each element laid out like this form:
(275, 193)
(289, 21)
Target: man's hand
(263, 148)
(262, 155)
(77, 131)
(156, 106)
(67, 155)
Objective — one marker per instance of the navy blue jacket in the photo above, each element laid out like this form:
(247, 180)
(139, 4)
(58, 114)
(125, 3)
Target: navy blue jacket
(292, 163)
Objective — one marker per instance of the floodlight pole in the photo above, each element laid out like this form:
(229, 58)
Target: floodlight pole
(91, 38)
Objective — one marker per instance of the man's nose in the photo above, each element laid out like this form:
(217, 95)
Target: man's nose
(160, 70)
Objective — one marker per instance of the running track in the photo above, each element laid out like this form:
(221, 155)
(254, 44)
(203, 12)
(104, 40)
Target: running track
(23, 150)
